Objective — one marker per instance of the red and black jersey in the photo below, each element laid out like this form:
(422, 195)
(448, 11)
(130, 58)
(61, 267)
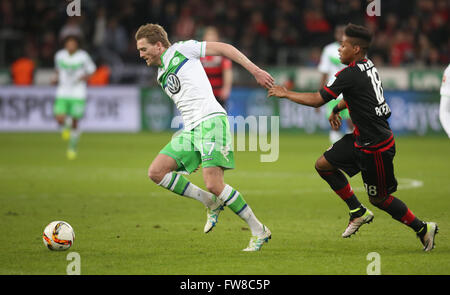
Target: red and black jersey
(214, 67)
(361, 87)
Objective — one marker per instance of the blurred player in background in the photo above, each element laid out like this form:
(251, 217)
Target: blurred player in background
(73, 67)
(206, 138)
(218, 69)
(371, 148)
(329, 65)
(444, 108)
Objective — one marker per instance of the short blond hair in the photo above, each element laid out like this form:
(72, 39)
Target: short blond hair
(153, 33)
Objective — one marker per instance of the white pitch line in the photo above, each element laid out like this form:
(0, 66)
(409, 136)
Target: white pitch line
(404, 184)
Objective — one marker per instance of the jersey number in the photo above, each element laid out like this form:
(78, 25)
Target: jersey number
(211, 147)
(376, 83)
(371, 190)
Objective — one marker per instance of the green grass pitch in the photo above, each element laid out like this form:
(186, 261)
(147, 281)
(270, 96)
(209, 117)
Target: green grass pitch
(125, 224)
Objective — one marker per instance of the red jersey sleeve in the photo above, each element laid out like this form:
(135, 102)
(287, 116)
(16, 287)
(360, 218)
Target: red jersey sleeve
(226, 63)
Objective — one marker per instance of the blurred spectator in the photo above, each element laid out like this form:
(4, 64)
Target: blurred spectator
(155, 10)
(356, 13)
(22, 71)
(47, 49)
(116, 36)
(402, 48)
(7, 18)
(185, 26)
(423, 48)
(433, 58)
(101, 75)
(71, 28)
(258, 25)
(380, 47)
(317, 27)
(100, 28)
(391, 25)
(218, 69)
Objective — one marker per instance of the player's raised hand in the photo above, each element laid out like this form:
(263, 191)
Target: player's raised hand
(278, 91)
(335, 121)
(264, 78)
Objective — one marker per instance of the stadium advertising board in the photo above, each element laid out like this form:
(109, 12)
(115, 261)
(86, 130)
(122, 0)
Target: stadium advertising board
(393, 78)
(413, 112)
(157, 110)
(108, 109)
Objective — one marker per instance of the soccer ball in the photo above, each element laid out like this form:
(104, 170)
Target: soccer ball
(58, 235)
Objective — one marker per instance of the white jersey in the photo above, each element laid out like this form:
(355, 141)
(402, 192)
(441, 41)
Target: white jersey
(330, 63)
(183, 78)
(445, 86)
(71, 68)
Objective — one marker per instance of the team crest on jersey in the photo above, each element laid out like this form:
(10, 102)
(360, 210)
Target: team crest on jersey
(173, 83)
(175, 61)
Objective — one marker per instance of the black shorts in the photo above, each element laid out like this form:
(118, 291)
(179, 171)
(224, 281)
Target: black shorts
(375, 164)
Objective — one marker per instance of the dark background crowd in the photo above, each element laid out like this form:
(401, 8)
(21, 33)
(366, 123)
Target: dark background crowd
(270, 32)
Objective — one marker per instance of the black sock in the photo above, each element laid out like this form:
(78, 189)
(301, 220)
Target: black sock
(338, 182)
(399, 211)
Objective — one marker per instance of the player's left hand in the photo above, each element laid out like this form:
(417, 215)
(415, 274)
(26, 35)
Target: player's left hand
(278, 91)
(335, 121)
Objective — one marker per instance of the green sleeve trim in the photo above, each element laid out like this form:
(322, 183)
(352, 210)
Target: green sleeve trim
(201, 48)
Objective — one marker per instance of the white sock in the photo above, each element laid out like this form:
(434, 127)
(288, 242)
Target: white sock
(255, 225)
(237, 204)
(74, 138)
(75, 133)
(207, 198)
(178, 184)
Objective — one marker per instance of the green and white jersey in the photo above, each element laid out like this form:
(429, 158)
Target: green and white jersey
(71, 68)
(184, 80)
(330, 63)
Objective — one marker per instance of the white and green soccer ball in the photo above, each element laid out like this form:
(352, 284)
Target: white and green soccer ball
(58, 235)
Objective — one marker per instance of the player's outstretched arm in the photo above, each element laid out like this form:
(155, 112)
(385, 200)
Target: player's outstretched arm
(312, 99)
(219, 48)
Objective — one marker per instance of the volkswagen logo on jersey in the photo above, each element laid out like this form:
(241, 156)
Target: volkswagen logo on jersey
(173, 83)
(175, 61)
